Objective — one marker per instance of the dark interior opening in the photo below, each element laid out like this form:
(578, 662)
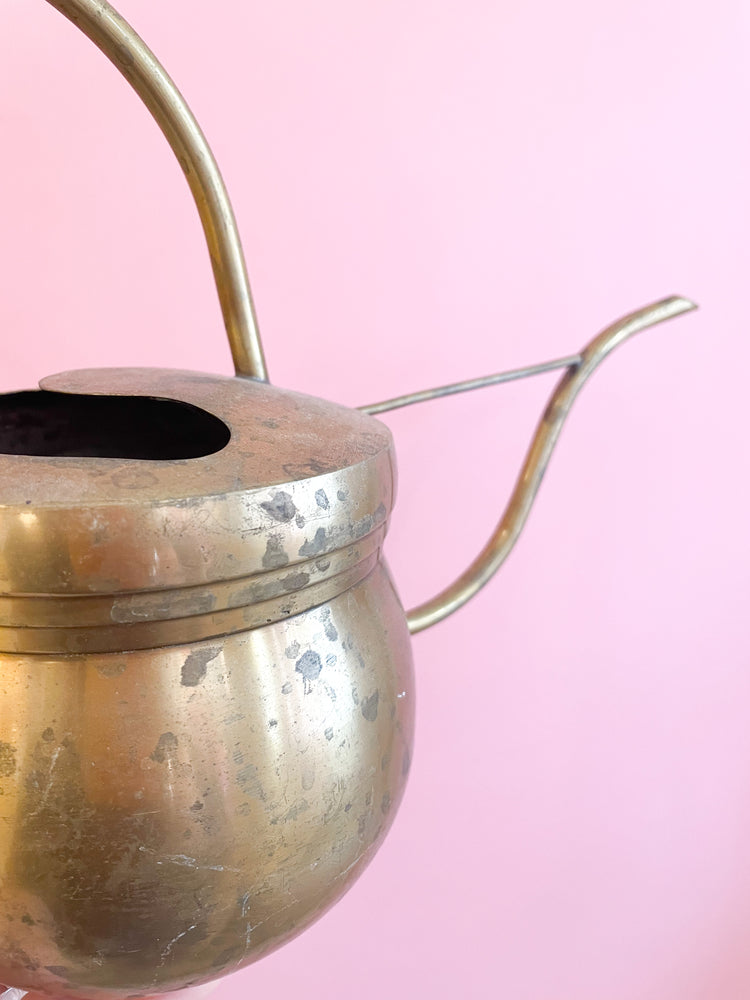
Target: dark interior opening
(55, 424)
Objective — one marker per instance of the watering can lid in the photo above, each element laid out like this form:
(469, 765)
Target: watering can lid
(302, 489)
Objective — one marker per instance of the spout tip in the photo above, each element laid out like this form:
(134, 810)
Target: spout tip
(679, 304)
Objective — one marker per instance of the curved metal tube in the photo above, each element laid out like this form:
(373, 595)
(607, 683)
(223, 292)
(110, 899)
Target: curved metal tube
(140, 67)
(497, 549)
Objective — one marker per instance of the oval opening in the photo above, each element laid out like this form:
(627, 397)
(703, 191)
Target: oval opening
(55, 425)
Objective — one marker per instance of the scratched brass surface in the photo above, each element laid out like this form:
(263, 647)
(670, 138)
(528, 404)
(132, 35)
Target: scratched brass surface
(170, 815)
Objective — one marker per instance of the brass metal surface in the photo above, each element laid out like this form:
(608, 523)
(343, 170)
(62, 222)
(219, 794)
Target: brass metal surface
(109, 31)
(173, 814)
(468, 385)
(498, 548)
(300, 479)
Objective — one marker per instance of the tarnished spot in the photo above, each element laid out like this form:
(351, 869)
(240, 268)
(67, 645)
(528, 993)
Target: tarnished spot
(330, 631)
(292, 650)
(248, 780)
(363, 526)
(7, 760)
(322, 500)
(129, 609)
(275, 557)
(112, 666)
(196, 665)
(299, 521)
(48, 735)
(370, 707)
(309, 665)
(280, 507)
(316, 546)
(385, 803)
(302, 805)
(295, 581)
(303, 470)
(165, 748)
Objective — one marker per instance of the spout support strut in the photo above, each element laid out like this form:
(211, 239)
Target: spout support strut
(140, 67)
(497, 549)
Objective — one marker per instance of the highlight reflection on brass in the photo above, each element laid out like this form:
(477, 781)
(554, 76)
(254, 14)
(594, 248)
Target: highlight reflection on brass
(171, 814)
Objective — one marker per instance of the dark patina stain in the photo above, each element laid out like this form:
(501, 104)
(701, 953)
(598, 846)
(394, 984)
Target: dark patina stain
(195, 666)
(166, 746)
(316, 546)
(309, 665)
(281, 507)
(321, 499)
(196, 806)
(275, 557)
(57, 970)
(330, 631)
(48, 735)
(295, 581)
(302, 470)
(7, 760)
(370, 706)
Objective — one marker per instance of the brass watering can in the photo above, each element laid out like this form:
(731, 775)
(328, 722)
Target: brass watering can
(207, 694)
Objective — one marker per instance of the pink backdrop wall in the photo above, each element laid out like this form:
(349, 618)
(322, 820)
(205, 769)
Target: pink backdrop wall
(507, 178)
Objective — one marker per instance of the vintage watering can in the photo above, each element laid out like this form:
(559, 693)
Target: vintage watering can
(207, 694)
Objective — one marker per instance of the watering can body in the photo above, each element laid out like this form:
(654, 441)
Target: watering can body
(207, 694)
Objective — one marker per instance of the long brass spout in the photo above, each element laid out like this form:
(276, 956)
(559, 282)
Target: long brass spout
(497, 549)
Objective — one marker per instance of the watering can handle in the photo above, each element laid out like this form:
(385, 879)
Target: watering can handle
(579, 368)
(140, 67)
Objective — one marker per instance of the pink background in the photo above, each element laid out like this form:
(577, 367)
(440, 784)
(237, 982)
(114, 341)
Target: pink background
(430, 191)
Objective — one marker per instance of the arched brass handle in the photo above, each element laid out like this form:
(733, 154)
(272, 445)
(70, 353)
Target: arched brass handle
(140, 67)
(580, 368)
